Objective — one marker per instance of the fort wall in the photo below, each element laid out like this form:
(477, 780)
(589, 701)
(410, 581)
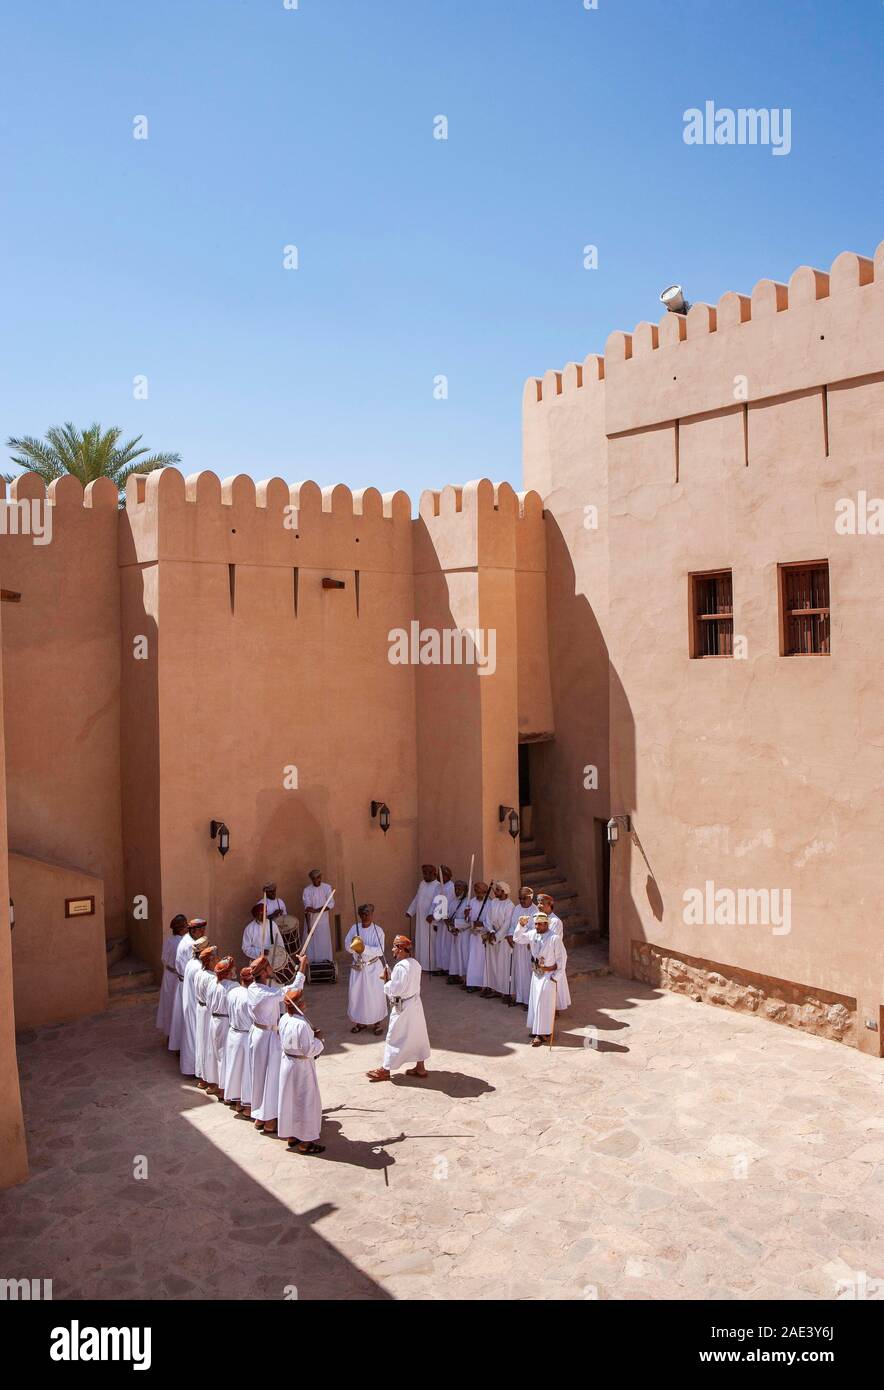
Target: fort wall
(729, 436)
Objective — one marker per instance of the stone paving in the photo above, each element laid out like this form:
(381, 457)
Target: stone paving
(663, 1149)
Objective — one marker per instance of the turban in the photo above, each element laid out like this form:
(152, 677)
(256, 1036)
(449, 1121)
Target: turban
(197, 922)
(199, 944)
(224, 966)
(403, 941)
(259, 907)
(258, 964)
(207, 953)
(246, 974)
(315, 873)
(502, 883)
(429, 866)
(291, 997)
(445, 869)
(540, 917)
(365, 907)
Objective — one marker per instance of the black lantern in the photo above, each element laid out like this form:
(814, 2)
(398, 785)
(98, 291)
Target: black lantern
(381, 810)
(504, 812)
(222, 835)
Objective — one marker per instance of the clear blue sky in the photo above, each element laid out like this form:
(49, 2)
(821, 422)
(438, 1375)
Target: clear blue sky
(418, 257)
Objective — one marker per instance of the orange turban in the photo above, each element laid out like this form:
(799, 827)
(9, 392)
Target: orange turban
(224, 966)
(207, 952)
(258, 964)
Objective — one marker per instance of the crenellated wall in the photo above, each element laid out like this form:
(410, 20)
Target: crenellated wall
(725, 438)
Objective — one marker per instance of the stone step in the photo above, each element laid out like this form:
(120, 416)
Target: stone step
(537, 860)
(590, 959)
(146, 994)
(531, 847)
(545, 878)
(117, 948)
(129, 974)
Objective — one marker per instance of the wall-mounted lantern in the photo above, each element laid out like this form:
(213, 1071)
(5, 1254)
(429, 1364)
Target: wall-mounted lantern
(509, 812)
(222, 835)
(381, 811)
(614, 828)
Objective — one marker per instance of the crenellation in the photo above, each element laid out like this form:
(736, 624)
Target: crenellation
(769, 298)
(807, 285)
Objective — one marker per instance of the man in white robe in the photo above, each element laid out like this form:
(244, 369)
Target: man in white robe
(458, 930)
(275, 906)
(315, 895)
(498, 952)
(441, 935)
(421, 919)
(215, 1057)
(300, 1102)
(407, 1039)
(546, 904)
(260, 933)
(205, 981)
(266, 999)
(187, 1055)
(476, 914)
(521, 953)
(366, 1000)
(170, 983)
(549, 960)
(195, 929)
(237, 1062)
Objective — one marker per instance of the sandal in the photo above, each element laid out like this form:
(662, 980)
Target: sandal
(379, 1074)
(296, 1146)
(357, 1028)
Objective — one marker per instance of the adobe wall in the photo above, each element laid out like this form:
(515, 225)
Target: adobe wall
(61, 689)
(272, 703)
(480, 564)
(730, 436)
(565, 459)
(13, 1150)
(59, 963)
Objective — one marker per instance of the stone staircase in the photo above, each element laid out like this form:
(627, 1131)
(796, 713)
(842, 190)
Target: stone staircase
(587, 953)
(129, 980)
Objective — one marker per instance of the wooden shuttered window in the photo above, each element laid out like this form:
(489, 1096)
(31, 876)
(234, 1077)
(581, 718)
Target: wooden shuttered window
(712, 614)
(804, 591)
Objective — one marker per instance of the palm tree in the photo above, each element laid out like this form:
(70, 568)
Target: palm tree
(87, 454)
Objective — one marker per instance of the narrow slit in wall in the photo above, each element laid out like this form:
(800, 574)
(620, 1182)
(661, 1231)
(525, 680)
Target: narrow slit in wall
(746, 434)
(295, 575)
(677, 449)
(231, 579)
(826, 420)
(356, 587)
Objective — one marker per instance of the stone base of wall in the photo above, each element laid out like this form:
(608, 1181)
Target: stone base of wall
(798, 1006)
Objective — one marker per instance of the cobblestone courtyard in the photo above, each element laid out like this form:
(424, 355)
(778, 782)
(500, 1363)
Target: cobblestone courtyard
(687, 1153)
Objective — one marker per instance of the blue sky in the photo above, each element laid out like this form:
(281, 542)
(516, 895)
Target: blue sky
(417, 257)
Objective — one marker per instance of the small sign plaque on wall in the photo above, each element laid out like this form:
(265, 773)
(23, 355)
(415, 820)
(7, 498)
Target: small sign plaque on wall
(79, 907)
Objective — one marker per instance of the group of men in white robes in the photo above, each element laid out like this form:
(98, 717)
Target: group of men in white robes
(482, 941)
(249, 1042)
(263, 928)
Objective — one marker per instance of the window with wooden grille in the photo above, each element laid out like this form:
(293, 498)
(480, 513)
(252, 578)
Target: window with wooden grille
(804, 606)
(712, 614)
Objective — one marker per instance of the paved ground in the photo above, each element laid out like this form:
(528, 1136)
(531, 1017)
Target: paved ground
(688, 1153)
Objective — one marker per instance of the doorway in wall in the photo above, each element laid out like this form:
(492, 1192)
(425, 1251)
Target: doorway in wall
(603, 876)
